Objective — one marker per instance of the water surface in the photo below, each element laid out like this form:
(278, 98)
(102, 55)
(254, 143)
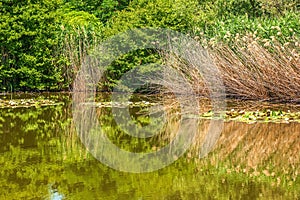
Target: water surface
(41, 157)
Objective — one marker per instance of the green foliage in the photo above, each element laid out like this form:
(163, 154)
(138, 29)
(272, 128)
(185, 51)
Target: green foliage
(27, 40)
(179, 15)
(224, 9)
(42, 42)
(279, 7)
(285, 28)
(102, 9)
(125, 63)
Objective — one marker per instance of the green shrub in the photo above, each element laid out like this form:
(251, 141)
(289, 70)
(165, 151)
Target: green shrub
(27, 40)
(179, 15)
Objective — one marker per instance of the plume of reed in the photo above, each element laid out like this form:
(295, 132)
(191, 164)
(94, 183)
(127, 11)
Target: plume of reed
(249, 69)
(255, 71)
(76, 42)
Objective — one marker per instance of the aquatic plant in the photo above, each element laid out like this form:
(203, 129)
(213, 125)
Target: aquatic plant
(25, 103)
(250, 68)
(277, 116)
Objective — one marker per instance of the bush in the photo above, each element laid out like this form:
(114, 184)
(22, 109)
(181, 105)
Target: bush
(176, 15)
(27, 40)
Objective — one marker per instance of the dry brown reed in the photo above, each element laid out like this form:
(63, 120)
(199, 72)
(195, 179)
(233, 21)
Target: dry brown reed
(254, 71)
(249, 69)
(76, 43)
(189, 74)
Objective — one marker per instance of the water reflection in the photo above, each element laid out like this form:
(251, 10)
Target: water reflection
(41, 156)
(54, 194)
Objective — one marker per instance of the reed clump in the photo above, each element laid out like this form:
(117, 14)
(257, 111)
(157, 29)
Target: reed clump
(259, 70)
(250, 68)
(76, 44)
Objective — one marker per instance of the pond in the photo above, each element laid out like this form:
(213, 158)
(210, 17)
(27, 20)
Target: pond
(42, 157)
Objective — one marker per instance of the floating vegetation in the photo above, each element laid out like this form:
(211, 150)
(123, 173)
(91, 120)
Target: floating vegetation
(241, 115)
(122, 104)
(19, 103)
(268, 115)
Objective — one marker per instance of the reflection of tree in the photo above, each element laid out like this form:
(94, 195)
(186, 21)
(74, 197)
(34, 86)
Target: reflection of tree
(34, 146)
(50, 155)
(142, 122)
(29, 126)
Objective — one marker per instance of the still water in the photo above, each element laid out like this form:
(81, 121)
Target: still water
(42, 157)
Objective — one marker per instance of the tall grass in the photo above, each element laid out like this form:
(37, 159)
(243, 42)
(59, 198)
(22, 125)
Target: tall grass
(250, 68)
(76, 42)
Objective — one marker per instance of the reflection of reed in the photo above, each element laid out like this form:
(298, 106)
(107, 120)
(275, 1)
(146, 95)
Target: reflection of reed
(271, 146)
(259, 145)
(278, 143)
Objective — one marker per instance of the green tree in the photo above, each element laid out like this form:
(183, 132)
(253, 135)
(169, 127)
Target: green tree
(102, 9)
(177, 15)
(180, 15)
(27, 40)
